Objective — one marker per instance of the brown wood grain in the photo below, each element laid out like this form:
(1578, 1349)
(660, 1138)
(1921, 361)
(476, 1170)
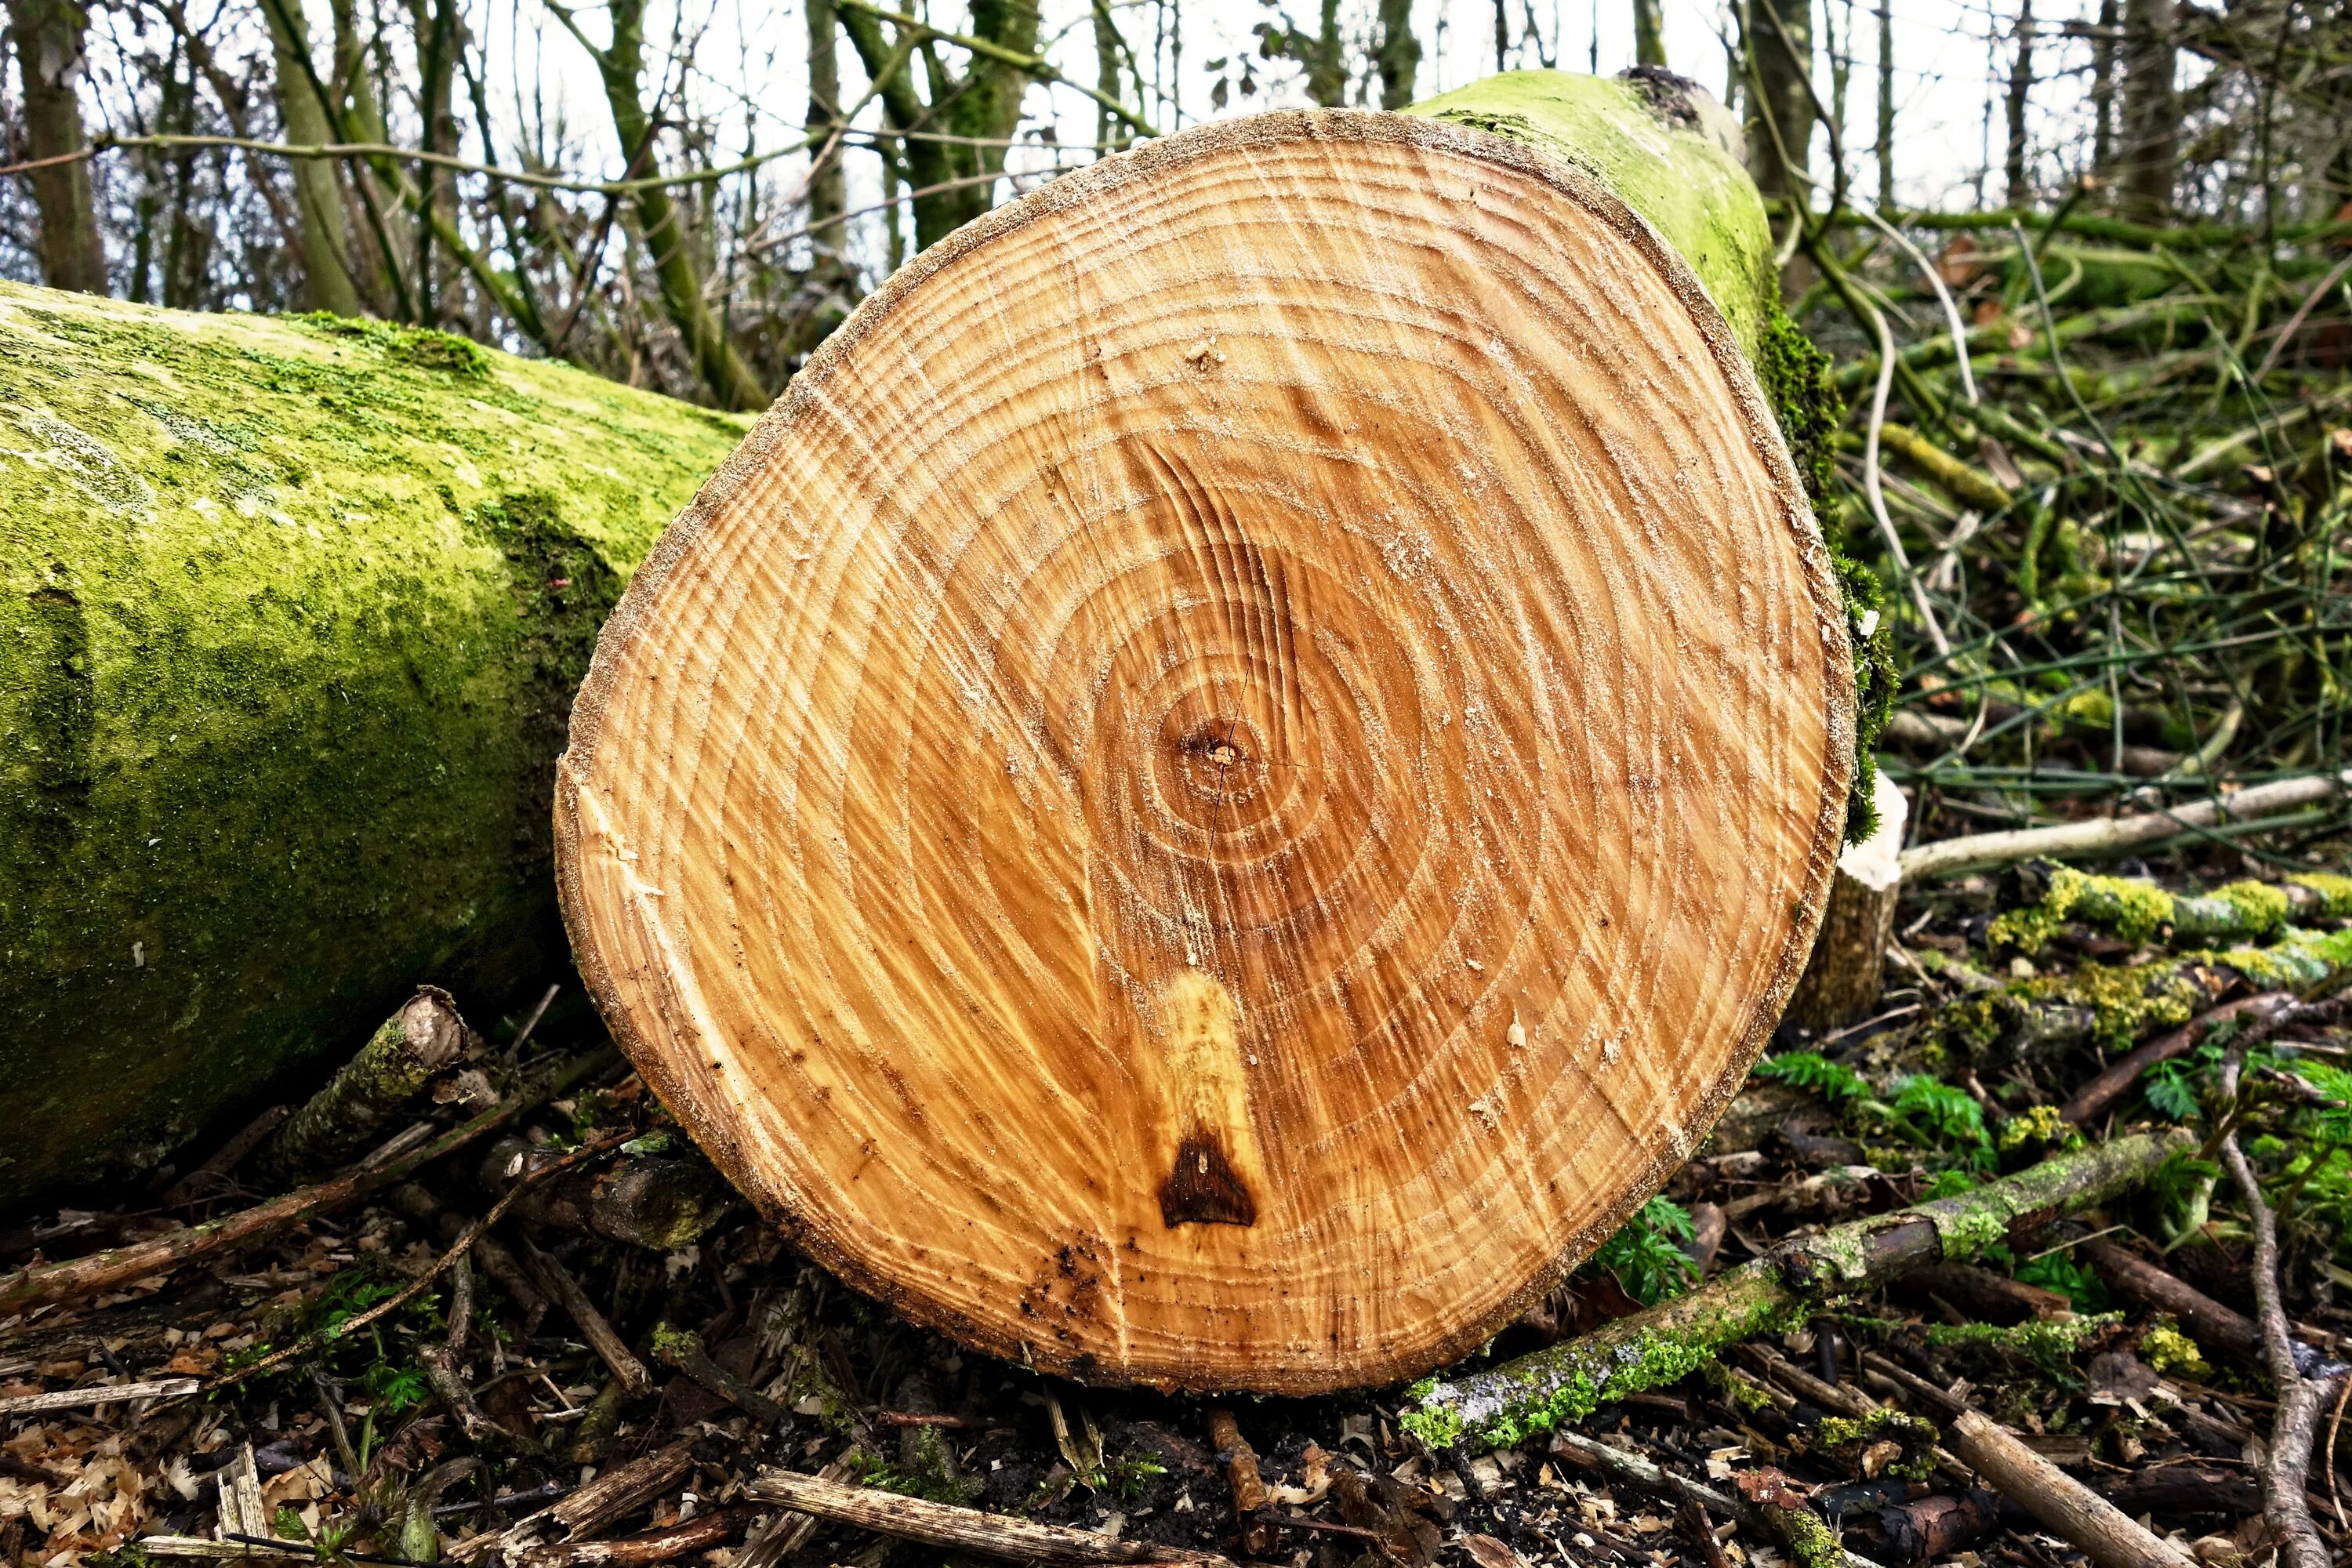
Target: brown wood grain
(1237, 771)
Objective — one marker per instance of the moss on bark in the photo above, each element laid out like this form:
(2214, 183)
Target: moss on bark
(290, 614)
(1501, 1407)
(1667, 150)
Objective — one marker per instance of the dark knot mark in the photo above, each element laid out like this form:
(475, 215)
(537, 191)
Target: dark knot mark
(1203, 1188)
(1215, 745)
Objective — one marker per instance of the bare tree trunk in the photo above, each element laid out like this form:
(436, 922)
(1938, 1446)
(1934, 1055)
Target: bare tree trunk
(318, 197)
(1400, 52)
(2020, 85)
(1886, 105)
(720, 364)
(2151, 108)
(1781, 100)
(440, 37)
(1107, 78)
(1649, 33)
(1502, 36)
(48, 37)
(1327, 62)
(980, 110)
(2103, 92)
(828, 188)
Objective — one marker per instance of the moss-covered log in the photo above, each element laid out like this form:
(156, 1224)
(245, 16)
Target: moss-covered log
(1504, 1405)
(291, 616)
(2047, 896)
(2115, 1007)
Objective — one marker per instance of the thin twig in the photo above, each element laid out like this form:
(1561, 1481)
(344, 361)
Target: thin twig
(2300, 1398)
(416, 1286)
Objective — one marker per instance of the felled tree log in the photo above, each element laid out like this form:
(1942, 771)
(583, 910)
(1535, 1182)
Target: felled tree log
(1243, 765)
(1502, 1406)
(290, 614)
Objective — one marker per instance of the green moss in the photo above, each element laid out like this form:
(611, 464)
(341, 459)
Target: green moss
(2166, 1350)
(2049, 1343)
(670, 1345)
(2128, 1002)
(2135, 911)
(422, 347)
(2335, 892)
(1505, 1407)
(1810, 1541)
(1736, 1389)
(290, 611)
(1876, 678)
(2298, 960)
(1851, 1434)
(926, 1470)
(2260, 906)
(2139, 911)
(1436, 1426)
(2039, 1126)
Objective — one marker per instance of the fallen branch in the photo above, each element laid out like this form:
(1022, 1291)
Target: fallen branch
(2091, 1102)
(584, 1512)
(566, 1291)
(214, 1172)
(99, 1393)
(2113, 1006)
(1502, 1406)
(1657, 1481)
(118, 1267)
(1946, 857)
(961, 1528)
(654, 1546)
(357, 1107)
(683, 1349)
(2137, 910)
(449, 1385)
(1242, 1474)
(2285, 1468)
(661, 1193)
(2058, 1502)
(417, 1286)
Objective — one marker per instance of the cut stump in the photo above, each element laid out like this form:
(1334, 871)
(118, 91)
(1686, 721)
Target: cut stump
(1238, 771)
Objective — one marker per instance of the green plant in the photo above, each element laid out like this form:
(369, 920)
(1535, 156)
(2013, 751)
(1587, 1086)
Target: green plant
(1129, 1475)
(1936, 1114)
(1837, 1085)
(2059, 1272)
(2171, 1090)
(1946, 1183)
(1646, 1255)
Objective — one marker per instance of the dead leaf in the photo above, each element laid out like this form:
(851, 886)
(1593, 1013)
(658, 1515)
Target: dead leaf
(1488, 1551)
(2118, 1375)
(1999, 464)
(1958, 263)
(1768, 1488)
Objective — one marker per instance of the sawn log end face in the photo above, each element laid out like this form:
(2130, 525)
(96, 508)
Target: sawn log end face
(1238, 770)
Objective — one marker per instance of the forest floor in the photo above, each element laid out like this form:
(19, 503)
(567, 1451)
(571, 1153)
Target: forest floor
(346, 1445)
